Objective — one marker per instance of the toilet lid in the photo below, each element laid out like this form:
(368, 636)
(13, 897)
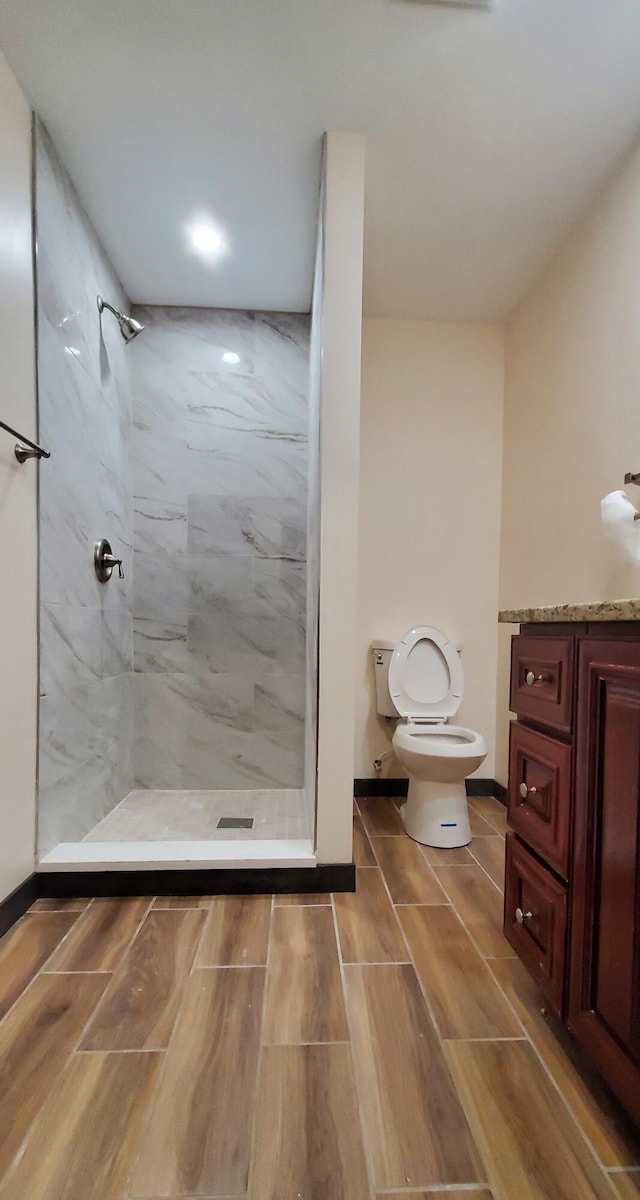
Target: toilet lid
(425, 675)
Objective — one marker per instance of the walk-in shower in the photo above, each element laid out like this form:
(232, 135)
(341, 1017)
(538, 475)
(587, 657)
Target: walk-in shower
(176, 690)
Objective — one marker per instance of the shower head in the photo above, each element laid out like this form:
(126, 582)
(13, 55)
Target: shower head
(129, 327)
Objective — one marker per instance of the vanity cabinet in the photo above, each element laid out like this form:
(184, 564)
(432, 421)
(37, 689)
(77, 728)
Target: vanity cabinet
(572, 888)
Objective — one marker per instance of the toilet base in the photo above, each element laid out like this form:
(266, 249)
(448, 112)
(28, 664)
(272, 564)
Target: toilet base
(437, 814)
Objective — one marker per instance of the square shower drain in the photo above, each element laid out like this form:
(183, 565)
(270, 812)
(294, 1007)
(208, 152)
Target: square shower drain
(235, 823)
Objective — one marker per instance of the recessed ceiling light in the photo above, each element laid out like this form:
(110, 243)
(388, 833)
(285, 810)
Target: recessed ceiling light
(204, 238)
(231, 357)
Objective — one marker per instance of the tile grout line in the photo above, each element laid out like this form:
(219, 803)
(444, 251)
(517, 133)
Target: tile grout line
(439, 1034)
(556, 1086)
(482, 868)
(128, 1050)
(615, 1192)
(428, 1007)
(504, 807)
(261, 1045)
(43, 972)
(475, 863)
(76, 1049)
(66, 1067)
(611, 1175)
(511, 1007)
(436, 1026)
(411, 962)
(528, 1039)
(501, 1038)
(415, 972)
(485, 837)
(609, 1172)
(430, 870)
(227, 967)
(126, 948)
(613, 1171)
(434, 1188)
(41, 968)
(46, 912)
(371, 836)
(154, 1092)
(119, 968)
(194, 962)
(385, 962)
(484, 957)
(364, 1138)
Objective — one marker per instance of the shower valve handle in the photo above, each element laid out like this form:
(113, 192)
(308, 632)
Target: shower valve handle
(104, 561)
(110, 560)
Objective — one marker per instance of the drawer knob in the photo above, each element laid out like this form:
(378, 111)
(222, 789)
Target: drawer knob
(530, 678)
(521, 916)
(527, 791)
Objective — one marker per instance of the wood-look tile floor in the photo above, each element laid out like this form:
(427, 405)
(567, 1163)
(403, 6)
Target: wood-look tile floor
(385, 1044)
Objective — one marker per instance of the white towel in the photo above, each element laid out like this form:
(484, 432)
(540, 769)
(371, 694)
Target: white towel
(618, 521)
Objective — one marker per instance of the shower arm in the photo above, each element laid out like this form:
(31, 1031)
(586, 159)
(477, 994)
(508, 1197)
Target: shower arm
(105, 304)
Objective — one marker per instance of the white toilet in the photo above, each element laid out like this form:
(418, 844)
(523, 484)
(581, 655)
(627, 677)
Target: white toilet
(420, 680)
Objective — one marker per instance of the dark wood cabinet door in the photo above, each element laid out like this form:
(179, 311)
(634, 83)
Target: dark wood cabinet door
(535, 919)
(540, 793)
(542, 680)
(604, 992)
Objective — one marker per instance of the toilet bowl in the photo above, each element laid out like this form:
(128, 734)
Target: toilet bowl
(420, 682)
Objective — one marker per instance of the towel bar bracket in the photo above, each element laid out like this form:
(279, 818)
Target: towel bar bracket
(24, 447)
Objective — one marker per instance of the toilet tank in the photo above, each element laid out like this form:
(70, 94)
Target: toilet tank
(382, 651)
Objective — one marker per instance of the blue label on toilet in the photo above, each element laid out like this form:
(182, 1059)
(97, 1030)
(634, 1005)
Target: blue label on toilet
(448, 824)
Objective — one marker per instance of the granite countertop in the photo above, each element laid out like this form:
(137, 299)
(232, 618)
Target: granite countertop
(599, 610)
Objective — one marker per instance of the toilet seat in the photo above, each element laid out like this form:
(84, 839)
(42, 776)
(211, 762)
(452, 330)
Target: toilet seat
(439, 740)
(426, 680)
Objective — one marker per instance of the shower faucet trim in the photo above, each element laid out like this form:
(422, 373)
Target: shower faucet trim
(104, 561)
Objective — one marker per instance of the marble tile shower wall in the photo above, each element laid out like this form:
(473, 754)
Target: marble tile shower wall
(86, 628)
(220, 529)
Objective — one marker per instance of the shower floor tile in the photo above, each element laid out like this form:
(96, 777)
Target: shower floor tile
(168, 816)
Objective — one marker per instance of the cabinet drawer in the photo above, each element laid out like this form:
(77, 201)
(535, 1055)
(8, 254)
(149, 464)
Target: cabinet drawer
(540, 794)
(542, 680)
(535, 920)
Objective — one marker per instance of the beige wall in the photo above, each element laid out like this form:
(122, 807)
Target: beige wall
(336, 372)
(572, 412)
(431, 454)
(18, 628)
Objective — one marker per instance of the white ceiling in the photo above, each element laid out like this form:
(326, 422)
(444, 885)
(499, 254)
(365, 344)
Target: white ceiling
(488, 132)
